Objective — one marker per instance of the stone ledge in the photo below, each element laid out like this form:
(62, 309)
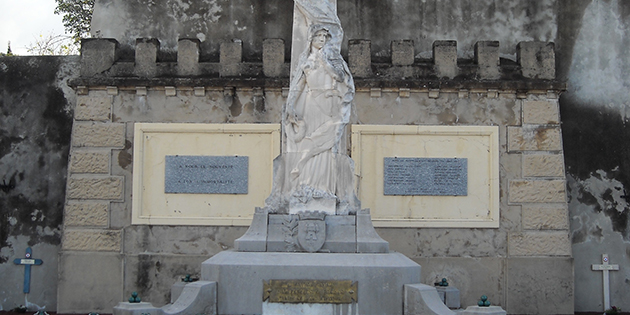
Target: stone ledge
(381, 81)
(537, 191)
(87, 214)
(95, 187)
(92, 240)
(92, 134)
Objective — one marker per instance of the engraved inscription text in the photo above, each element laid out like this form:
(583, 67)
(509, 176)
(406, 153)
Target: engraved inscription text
(425, 176)
(206, 174)
(310, 291)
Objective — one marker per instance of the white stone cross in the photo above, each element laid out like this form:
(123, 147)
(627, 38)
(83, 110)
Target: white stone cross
(605, 267)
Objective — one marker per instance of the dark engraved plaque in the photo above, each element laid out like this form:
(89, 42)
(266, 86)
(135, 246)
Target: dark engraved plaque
(310, 291)
(185, 174)
(425, 177)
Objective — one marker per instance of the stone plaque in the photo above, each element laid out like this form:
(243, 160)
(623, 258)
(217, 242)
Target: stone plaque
(186, 174)
(310, 291)
(425, 177)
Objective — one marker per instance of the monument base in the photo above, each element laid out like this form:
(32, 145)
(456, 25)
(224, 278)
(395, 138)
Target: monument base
(343, 234)
(380, 278)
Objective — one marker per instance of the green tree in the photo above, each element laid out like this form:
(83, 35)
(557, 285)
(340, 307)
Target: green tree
(53, 45)
(77, 15)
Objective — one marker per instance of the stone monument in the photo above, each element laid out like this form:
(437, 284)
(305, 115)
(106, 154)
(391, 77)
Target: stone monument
(313, 206)
(311, 249)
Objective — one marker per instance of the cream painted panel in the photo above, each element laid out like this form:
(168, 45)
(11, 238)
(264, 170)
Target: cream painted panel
(479, 144)
(260, 142)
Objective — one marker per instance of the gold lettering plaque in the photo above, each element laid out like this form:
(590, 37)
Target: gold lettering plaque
(310, 291)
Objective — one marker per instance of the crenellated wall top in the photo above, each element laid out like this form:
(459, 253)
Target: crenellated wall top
(102, 63)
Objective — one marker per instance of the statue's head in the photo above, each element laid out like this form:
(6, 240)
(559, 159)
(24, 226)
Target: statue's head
(319, 36)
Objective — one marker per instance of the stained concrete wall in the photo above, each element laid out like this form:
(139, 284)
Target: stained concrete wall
(593, 45)
(502, 263)
(215, 21)
(35, 127)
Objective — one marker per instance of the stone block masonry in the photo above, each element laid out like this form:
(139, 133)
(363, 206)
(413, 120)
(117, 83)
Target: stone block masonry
(146, 56)
(94, 108)
(92, 134)
(411, 88)
(541, 187)
(534, 138)
(487, 58)
(445, 58)
(541, 112)
(95, 188)
(101, 59)
(92, 240)
(188, 57)
(402, 53)
(554, 243)
(92, 214)
(273, 57)
(537, 60)
(90, 162)
(92, 186)
(525, 191)
(543, 165)
(360, 58)
(230, 58)
(554, 217)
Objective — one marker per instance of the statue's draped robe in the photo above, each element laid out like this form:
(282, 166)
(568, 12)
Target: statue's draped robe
(317, 112)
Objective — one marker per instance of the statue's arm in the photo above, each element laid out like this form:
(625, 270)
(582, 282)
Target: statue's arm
(336, 69)
(294, 93)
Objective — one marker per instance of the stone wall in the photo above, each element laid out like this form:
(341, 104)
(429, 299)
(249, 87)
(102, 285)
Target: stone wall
(595, 118)
(590, 54)
(519, 96)
(590, 47)
(213, 22)
(36, 107)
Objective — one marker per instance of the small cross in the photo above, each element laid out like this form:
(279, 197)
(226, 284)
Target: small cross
(27, 262)
(605, 267)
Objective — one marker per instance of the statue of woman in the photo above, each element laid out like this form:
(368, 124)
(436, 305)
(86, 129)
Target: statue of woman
(314, 173)
(317, 111)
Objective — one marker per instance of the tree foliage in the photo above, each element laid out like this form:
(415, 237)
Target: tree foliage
(53, 45)
(77, 15)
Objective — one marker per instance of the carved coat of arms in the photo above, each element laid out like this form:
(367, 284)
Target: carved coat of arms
(312, 232)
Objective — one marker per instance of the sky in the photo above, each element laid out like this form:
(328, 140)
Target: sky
(23, 21)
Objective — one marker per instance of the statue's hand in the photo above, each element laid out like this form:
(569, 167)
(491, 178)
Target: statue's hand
(290, 113)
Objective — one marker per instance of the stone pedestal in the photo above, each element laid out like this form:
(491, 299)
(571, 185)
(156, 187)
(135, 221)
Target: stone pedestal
(449, 296)
(341, 234)
(126, 308)
(423, 299)
(380, 277)
(485, 310)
